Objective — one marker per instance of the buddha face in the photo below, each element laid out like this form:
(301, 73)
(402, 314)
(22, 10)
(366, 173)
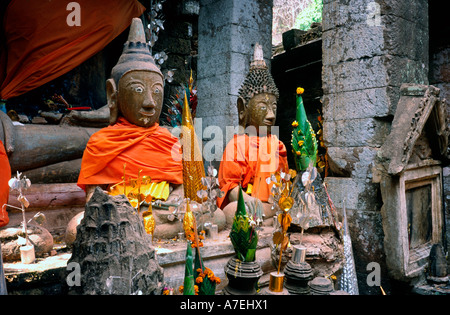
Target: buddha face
(262, 111)
(140, 97)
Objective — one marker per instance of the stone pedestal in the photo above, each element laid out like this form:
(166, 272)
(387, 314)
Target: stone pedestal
(297, 277)
(298, 273)
(321, 286)
(242, 277)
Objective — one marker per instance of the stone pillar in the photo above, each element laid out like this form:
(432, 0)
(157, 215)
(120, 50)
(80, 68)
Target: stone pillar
(227, 33)
(369, 49)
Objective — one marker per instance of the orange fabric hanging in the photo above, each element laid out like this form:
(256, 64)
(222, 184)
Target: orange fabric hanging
(41, 46)
(5, 175)
(153, 150)
(250, 160)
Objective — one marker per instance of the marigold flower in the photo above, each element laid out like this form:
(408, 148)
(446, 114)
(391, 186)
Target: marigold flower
(294, 123)
(300, 90)
(199, 280)
(181, 289)
(300, 143)
(298, 153)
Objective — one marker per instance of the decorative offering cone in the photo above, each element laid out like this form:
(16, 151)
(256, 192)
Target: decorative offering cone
(242, 271)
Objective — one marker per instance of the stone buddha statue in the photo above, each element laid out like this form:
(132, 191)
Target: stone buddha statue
(134, 144)
(255, 152)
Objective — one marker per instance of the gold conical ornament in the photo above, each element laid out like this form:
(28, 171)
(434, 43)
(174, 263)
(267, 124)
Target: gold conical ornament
(193, 169)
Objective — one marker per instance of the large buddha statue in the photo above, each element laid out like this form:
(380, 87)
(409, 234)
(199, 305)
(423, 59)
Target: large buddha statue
(255, 152)
(133, 144)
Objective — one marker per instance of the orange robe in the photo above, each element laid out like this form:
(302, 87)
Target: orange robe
(5, 175)
(152, 150)
(250, 160)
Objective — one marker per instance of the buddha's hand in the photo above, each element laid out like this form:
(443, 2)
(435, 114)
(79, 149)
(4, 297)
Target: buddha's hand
(7, 132)
(176, 194)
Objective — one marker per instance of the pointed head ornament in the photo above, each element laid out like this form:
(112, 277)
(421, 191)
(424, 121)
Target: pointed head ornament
(136, 53)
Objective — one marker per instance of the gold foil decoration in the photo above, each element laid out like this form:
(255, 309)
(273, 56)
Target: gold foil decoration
(193, 169)
(188, 222)
(149, 220)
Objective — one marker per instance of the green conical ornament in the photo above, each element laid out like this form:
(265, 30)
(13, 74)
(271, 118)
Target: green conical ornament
(207, 287)
(243, 235)
(189, 280)
(304, 142)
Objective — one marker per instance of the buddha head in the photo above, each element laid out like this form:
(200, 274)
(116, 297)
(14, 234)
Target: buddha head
(135, 90)
(258, 96)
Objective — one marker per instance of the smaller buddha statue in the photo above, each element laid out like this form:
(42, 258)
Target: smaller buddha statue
(255, 152)
(134, 144)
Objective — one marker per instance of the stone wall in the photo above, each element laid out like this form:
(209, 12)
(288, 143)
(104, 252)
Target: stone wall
(228, 31)
(369, 49)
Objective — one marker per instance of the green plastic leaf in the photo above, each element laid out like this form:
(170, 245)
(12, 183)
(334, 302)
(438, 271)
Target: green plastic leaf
(189, 280)
(243, 235)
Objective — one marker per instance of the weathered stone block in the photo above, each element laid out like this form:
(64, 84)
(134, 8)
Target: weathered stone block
(353, 42)
(355, 75)
(348, 12)
(406, 38)
(375, 102)
(353, 162)
(354, 193)
(243, 40)
(208, 10)
(213, 88)
(213, 65)
(259, 11)
(415, 11)
(292, 38)
(355, 132)
(404, 70)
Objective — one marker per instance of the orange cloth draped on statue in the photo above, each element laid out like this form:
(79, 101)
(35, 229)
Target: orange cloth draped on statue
(152, 150)
(41, 45)
(250, 160)
(5, 175)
